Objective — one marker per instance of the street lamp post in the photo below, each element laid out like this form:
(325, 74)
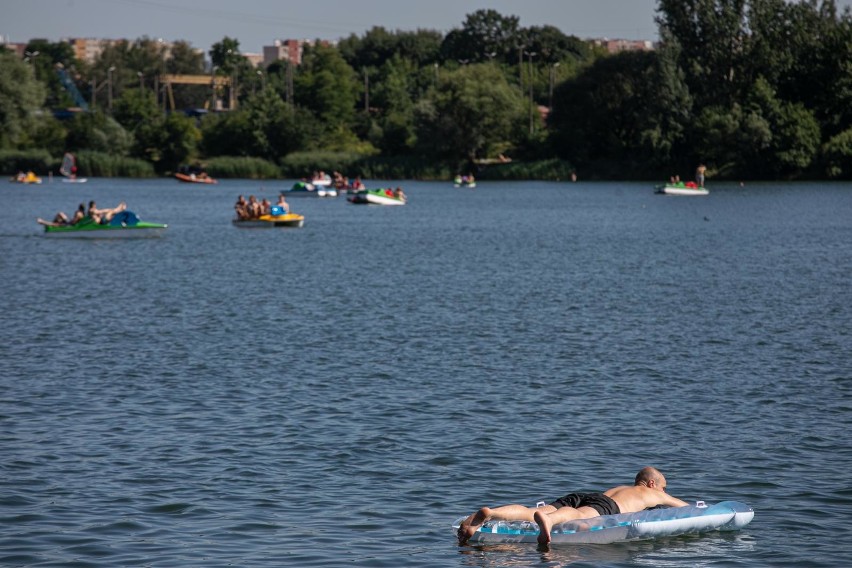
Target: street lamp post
(213, 87)
(162, 45)
(552, 72)
(30, 57)
(531, 54)
(141, 80)
(109, 81)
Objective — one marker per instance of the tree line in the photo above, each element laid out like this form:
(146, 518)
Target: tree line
(758, 89)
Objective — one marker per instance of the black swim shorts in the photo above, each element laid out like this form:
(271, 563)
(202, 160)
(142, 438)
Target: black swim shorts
(597, 501)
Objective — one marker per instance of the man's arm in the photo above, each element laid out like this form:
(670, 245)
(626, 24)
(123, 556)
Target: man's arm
(674, 501)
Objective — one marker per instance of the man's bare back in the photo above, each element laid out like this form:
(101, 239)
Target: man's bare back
(632, 498)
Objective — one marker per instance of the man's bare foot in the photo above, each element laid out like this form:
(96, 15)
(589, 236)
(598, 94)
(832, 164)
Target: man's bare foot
(470, 524)
(544, 526)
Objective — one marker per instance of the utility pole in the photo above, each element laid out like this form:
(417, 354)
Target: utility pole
(109, 91)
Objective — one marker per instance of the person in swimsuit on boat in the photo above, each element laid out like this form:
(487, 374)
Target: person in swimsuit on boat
(103, 216)
(699, 174)
(79, 215)
(60, 220)
(648, 490)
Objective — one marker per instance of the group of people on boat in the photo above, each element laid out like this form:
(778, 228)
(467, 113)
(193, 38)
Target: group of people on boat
(28, 177)
(700, 173)
(464, 180)
(254, 209)
(97, 215)
(336, 180)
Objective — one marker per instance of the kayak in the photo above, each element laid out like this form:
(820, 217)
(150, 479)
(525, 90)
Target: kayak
(123, 224)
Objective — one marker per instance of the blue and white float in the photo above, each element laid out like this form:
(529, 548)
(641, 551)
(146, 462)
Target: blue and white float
(606, 529)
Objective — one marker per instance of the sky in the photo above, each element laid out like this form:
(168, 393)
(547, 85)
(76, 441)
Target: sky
(256, 23)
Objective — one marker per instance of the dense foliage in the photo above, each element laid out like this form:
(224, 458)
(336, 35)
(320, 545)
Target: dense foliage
(751, 88)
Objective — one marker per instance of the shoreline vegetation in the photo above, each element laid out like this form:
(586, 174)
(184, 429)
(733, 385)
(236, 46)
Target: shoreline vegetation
(99, 164)
(753, 90)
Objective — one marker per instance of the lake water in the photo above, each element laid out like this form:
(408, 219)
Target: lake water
(340, 394)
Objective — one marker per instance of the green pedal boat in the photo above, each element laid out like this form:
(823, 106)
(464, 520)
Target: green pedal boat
(123, 224)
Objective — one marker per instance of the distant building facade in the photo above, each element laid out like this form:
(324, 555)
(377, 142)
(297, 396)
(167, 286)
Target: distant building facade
(89, 49)
(256, 59)
(619, 45)
(289, 50)
(18, 49)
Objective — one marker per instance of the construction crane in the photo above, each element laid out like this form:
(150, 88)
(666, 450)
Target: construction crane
(214, 81)
(69, 86)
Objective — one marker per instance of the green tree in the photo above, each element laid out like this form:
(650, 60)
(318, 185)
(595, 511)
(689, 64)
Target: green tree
(137, 111)
(732, 138)
(553, 46)
(484, 34)
(624, 115)
(328, 86)
(473, 113)
(795, 133)
(180, 142)
(99, 132)
(20, 97)
(264, 127)
(837, 155)
(226, 56)
(395, 132)
(45, 56)
(712, 36)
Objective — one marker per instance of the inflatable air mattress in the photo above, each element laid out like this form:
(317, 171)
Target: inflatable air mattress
(606, 529)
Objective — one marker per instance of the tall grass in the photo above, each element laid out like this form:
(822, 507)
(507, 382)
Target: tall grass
(241, 167)
(401, 167)
(553, 169)
(101, 164)
(39, 162)
(302, 164)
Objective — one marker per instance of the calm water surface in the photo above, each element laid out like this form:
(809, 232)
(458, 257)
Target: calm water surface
(339, 394)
